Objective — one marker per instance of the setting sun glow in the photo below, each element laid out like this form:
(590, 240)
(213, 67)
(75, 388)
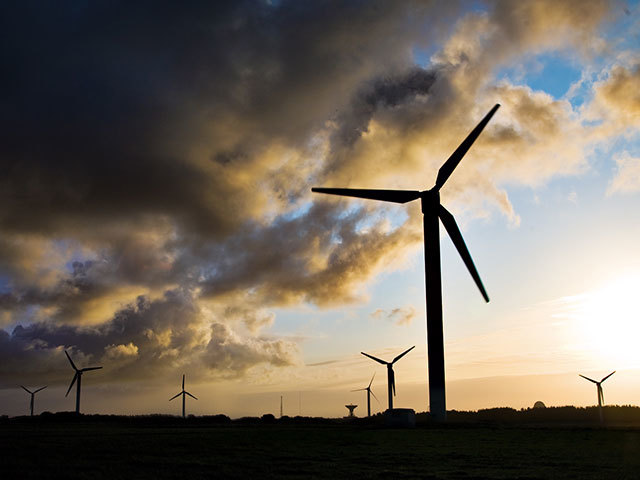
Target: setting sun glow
(607, 321)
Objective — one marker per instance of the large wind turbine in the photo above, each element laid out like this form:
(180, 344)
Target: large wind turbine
(432, 211)
(391, 377)
(369, 393)
(33, 394)
(78, 377)
(184, 393)
(600, 393)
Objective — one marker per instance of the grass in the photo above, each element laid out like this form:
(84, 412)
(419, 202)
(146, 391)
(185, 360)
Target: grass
(98, 449)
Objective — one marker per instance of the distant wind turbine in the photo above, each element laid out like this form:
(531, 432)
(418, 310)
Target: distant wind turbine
(32, 394)
(391, 377)
(369, 393)
(432, 210)
(184, 393)
(600, 393)
(78, 377)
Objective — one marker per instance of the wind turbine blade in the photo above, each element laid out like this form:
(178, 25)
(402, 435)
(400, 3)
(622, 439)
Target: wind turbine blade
(587, 378)
(358, 390)
(393, 382)
(72, 382)
(456, 237)
(183, 381)
(191, 395)
(396, 196)
(26, 389)
(175, 396)
(452, 162)
(374, 396)
(607, 376)
(90, 368)
(402, 355)
(71, 361)
(374, 374)
(374, 358)
(41, 388)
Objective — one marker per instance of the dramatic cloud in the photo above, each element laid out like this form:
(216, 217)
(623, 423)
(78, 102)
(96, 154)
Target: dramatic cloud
(617, 98)
(321, 256)
(156, 161)
(165, 334)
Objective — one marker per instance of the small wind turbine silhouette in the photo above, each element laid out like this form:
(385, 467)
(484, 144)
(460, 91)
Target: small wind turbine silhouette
(32, 394)
(600, 393)
(391, 377)
(432, 210)
(369, 393)
(78, 377)
(184, 393)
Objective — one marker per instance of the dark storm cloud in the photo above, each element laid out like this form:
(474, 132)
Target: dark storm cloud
(319, 257)
(160, 335)
(385, 92)
(123, 118)
(93, 100)
(105, 106)
(153, 148)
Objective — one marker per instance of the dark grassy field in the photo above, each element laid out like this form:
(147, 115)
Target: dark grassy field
(100, 448)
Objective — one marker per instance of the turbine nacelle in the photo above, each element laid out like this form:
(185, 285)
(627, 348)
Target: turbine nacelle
(430, 201)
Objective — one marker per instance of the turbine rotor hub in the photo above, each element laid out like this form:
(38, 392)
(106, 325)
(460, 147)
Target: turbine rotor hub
(430, 201)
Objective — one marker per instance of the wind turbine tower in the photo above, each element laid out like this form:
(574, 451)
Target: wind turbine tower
(184, 394)
(77, 377)
(391, 376)
(369, 393)
(600, 393)
(33, 394)
(432, 210)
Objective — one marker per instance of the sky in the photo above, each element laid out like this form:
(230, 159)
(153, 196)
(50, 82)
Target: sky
(156, 214)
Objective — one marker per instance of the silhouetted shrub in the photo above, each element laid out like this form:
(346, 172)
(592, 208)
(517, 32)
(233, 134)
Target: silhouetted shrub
(268, 418)
(617, 415)
(247, 420)
(217, 419)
